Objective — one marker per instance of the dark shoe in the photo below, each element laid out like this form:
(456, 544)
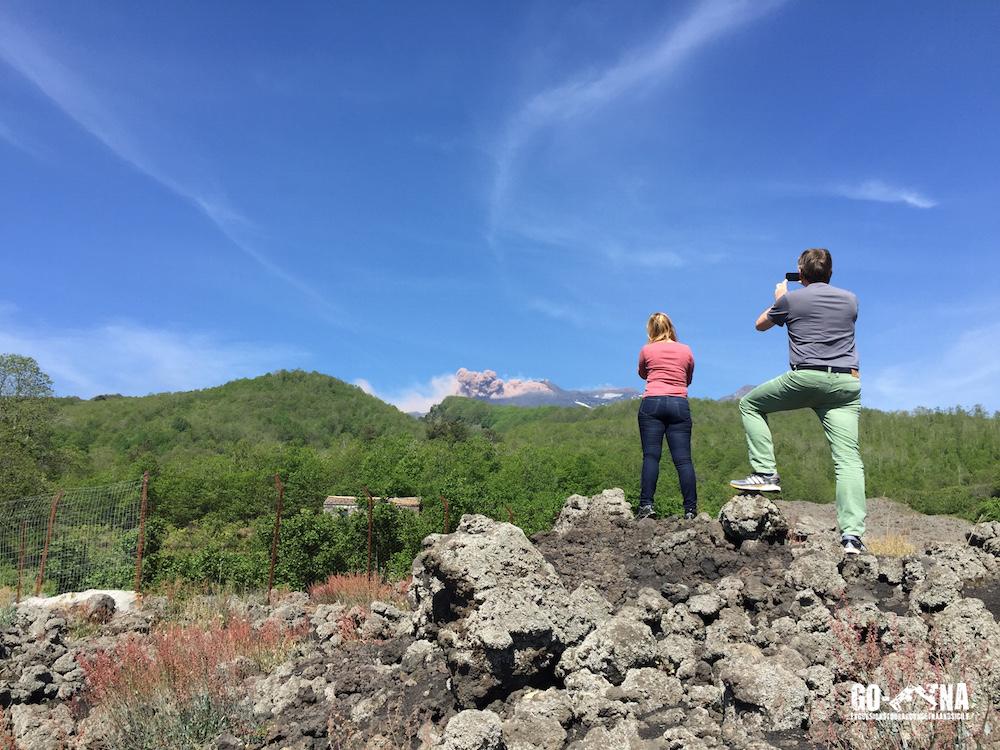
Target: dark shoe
(758, 482)
(645, 511)
(852, 545)
(689, 516)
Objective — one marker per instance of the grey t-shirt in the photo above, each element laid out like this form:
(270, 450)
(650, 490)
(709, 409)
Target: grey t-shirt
(820, 320)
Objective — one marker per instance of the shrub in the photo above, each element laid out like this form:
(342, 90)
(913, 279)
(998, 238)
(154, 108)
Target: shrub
(180, 686)
(989, 510)
(8, 614)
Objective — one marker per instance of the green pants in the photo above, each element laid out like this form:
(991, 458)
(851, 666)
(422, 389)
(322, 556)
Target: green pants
(836, 399)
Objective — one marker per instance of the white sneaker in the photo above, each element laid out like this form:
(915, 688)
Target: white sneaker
(758, 482)
(852, 545)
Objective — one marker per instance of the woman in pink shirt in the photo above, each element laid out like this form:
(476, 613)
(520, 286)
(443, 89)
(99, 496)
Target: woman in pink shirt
(667, 366)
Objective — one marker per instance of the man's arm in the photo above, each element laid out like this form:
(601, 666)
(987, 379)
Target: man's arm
(764, 320)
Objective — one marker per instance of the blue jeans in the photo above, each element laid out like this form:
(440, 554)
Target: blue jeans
(668, 416)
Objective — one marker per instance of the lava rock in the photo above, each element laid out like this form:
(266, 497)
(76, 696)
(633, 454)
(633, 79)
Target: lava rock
(939, 589)
(99, 608)
(987, 536)
(752, 517)
(768, 689)
(495, 605)
(613, 648)
(41, 727)
(610, 506)
(473, 730)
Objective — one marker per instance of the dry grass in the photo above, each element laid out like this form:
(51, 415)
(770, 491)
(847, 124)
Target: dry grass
(182, 685)
(201, 605)
(862, 657)
(396, 725)
(890, 545)
(6, 734)
(356, 589)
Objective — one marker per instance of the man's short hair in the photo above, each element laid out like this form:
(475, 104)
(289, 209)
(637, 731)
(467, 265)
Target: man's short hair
(816, 265)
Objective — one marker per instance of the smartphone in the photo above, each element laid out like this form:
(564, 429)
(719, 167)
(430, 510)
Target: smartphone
(792, 277)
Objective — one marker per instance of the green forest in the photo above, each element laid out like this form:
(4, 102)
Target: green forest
(212, 455)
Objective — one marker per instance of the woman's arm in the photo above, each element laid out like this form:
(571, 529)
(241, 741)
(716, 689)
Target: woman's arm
(643, 372)
(690, 369)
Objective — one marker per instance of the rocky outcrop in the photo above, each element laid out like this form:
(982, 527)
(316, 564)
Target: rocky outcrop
(495, 606)
(602, 633)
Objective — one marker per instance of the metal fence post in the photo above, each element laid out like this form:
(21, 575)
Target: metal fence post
(444, 501)
(48, 538)
(371, 504)
(277, 533)
(137, 587)
(20, 558)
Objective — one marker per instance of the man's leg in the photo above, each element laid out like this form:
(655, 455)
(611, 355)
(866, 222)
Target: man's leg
(793, 390)
(840, 423)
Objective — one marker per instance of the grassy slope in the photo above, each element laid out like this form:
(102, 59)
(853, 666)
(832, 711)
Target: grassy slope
(213, 453)
(937, 462)
(296, 407)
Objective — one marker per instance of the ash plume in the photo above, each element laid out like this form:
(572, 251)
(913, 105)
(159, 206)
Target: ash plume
(487, 385)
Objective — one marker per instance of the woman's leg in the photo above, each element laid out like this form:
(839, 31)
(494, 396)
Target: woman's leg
(679, 440)
(651, 429)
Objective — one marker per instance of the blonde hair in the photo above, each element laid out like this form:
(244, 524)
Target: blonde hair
(660, 328)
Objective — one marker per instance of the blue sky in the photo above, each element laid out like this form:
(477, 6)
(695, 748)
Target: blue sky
(193, 192)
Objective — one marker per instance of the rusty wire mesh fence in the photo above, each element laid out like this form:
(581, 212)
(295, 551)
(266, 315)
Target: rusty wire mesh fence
(71, 540)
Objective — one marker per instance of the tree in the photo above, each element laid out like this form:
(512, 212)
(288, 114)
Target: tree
(28, 456)
(22, 378)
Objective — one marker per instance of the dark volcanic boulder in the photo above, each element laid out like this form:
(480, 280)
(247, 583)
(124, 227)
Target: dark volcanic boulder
(496, 607)
(752, 517)
(987, 536)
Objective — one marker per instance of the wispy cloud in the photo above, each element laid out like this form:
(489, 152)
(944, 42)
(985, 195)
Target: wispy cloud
(79, 101)
(557, 311)
(964, 374)
(18, 141)
(650, 259)
(583, 95)
(132, 359)
(876, 190)
(7, 135)
(419, 397)
(629, 249)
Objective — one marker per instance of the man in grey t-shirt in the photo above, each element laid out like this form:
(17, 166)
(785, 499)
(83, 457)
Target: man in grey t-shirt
(824, 376)
(820, 320)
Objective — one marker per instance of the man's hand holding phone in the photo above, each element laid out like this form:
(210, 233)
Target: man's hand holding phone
(780, 289)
